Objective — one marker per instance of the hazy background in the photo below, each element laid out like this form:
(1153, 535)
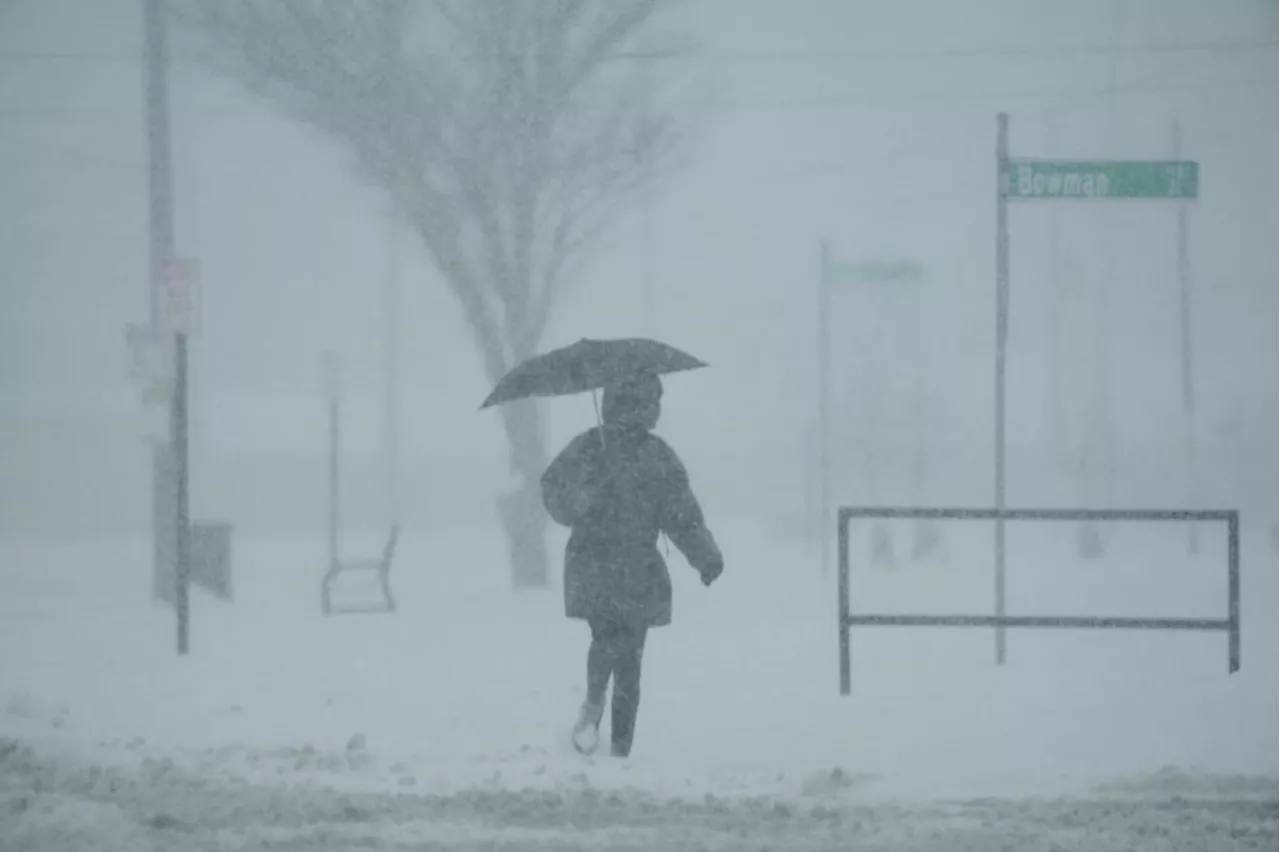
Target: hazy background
(870, 124)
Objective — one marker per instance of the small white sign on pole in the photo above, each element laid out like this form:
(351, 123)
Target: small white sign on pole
(178, 299)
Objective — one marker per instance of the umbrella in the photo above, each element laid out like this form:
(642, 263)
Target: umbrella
(589, 365)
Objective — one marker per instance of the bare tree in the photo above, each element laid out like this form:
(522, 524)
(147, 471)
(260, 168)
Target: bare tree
(506, 133)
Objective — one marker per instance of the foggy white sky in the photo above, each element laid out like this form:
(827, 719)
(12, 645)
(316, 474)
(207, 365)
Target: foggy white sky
(870, 124)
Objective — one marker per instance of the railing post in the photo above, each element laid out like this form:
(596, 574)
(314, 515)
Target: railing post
(1233, 591)
(842, 556)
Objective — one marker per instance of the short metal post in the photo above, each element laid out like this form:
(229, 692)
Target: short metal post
(1233, 592)
(182, 551)
(842, 557)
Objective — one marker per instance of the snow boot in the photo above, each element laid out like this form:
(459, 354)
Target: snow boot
(586, 733)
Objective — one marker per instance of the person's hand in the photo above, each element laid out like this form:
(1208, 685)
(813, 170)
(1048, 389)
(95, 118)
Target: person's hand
(581, 501)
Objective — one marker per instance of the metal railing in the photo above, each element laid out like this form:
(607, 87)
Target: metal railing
(1230, 624)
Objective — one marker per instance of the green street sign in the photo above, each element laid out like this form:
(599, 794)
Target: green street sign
(878, 272)
(1030, 180)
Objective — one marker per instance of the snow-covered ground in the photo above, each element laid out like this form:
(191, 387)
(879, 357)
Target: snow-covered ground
(444, 726)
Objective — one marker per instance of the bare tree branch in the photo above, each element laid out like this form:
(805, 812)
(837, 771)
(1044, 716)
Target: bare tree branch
(507, 133)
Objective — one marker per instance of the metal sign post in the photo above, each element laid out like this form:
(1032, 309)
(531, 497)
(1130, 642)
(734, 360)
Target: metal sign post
(830, 273)
(1025, 179)
(178, 318)
(1002, 330)
(870, 273)
(172, 289)
(181, 454)
(1186, 361)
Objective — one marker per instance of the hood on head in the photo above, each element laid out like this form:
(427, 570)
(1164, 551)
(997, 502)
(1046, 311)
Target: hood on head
(632, 403)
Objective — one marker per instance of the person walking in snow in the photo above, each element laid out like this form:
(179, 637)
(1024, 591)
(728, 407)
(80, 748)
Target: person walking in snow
(617, 487)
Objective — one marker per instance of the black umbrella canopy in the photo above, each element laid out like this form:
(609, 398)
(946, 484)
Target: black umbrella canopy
(589, 365)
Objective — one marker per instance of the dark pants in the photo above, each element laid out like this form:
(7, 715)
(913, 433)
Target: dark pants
(616, 650)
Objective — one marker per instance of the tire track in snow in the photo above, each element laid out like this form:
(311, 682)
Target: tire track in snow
(49, 804)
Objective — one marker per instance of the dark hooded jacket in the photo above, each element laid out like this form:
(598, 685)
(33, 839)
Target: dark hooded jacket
(617, 487)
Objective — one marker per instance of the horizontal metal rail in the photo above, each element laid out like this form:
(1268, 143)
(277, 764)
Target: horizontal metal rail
(1052, 621)
(1230, 625)
(961, 513)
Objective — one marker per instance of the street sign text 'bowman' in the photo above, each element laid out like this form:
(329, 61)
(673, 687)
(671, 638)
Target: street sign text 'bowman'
(1083, 179)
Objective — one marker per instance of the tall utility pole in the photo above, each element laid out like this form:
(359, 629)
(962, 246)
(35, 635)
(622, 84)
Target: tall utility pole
(160, 187)
(1002, 335)
(1101, 300)
(392, 288)
(1058, 334)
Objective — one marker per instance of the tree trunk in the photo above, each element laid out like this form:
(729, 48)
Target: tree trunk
(520, 510)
